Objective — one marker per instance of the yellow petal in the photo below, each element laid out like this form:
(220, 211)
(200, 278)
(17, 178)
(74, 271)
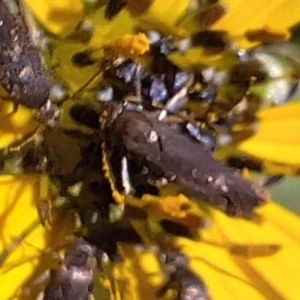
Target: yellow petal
(264, 264)
(59, 17)
(106, 31)
(138, 276)
(245, 15)
(237, 259)
(163, 15)
(22, 236)
(14, 126)
(277, 139)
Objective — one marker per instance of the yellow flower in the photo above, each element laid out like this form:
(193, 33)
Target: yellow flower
(277, 138)
(237, 259)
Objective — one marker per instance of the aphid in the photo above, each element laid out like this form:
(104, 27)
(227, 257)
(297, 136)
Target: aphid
(188, 286)
(22, 71)
(74, 278)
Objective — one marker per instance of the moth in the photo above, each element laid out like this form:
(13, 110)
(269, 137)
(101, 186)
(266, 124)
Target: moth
(167, 151)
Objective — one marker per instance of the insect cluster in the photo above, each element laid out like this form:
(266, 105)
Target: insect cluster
(153, 129)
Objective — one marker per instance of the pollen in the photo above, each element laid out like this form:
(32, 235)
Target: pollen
(129, 46)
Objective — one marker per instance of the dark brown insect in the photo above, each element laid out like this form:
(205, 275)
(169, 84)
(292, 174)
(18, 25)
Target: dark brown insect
(168, 152)
(22, 72)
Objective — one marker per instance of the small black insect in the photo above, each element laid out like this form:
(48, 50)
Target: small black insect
(83, 59)
(211, 40)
